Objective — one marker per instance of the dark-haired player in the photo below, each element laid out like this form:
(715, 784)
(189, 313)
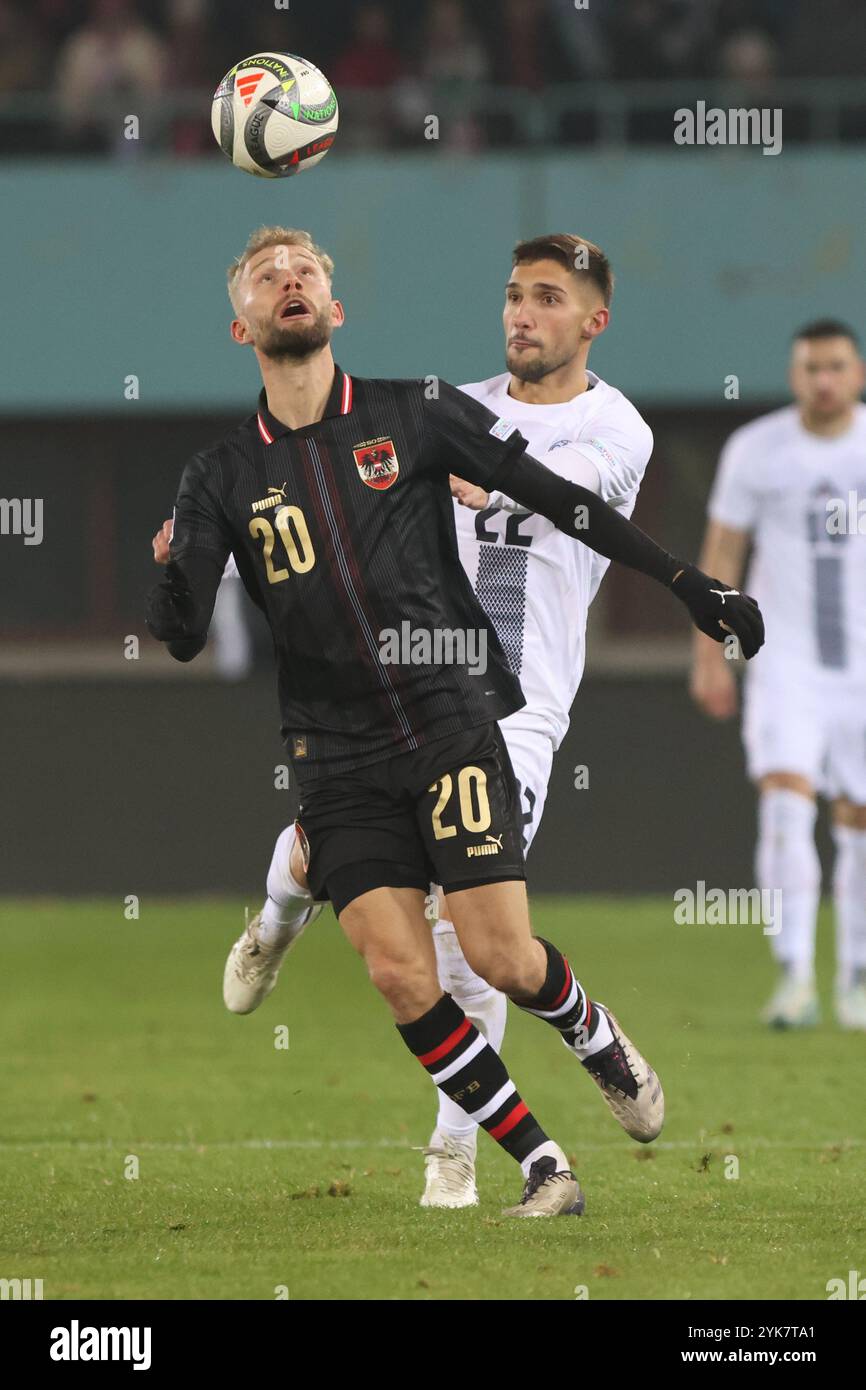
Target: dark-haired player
(794, 484)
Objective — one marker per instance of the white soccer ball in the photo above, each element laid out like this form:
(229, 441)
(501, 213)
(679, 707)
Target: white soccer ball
(274, 114)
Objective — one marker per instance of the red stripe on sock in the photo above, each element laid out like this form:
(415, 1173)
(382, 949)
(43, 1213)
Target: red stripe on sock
(511, 1119)
(588, 1012)
(449, 1044)
(565, 988)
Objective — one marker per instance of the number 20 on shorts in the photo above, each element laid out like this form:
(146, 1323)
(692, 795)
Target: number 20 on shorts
(472, 797)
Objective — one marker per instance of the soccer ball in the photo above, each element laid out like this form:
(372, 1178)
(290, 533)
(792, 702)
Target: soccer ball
(274, 114)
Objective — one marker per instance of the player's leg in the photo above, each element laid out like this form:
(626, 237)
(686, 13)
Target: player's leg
(785, 742)
(254, 960)
(849, 896)
(493, 924)
(449, 1158)
(366, 855)
(846, 785)
(468, 816)
(787, 862)
(388, 927)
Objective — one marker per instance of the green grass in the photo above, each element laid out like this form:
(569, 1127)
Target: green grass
(116, 1043)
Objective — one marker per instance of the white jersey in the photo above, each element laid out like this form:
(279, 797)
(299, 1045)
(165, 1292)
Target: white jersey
(798, 493)
(534, 582)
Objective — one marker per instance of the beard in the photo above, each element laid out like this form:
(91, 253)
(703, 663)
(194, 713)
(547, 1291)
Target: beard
(536, 369)
(282, 340)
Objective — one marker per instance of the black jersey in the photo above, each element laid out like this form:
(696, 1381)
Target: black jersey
(343, 534)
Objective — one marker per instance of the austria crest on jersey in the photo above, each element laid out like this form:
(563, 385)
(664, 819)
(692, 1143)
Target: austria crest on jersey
(377, 463)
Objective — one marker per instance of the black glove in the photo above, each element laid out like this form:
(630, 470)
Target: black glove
(170, 610)
(711, 603)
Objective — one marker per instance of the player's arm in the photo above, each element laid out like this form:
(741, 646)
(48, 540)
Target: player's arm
(179, 608)
(493, 454)
(712, 684)
(577, 467)
(733, 509)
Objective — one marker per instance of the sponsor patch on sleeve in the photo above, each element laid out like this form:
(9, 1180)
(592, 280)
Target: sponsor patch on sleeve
(502, 429)
(603, 450)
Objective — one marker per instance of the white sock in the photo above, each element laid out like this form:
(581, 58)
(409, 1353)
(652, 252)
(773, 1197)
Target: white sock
(583, 1046)
(484, 1006)
(849, 895)
(548, 1149)
(787, 860)
(288, 905)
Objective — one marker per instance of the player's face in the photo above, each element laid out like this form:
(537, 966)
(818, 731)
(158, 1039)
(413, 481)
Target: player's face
(827, 376)
(548, 314)
(285, 307)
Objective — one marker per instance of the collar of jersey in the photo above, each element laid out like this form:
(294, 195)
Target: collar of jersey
(339, 403)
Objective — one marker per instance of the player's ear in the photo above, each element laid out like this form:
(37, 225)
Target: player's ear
(239, 331)
(338, 313)
(596, 323)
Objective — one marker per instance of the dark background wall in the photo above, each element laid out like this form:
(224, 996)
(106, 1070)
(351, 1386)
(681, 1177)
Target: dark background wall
(168, 787)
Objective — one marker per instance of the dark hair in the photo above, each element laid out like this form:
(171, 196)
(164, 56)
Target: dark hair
(564, 248)
(827, 328)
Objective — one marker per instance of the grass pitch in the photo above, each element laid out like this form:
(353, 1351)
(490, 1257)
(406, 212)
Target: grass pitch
(154, 1146)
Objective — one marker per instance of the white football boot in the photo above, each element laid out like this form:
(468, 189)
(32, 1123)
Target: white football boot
(449, 1163)
(793, 1005)
(550, 1190)
(851, 1008)
(628, 1084)
(253, 966)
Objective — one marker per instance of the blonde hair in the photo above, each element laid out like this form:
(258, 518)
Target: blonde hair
(263, 237)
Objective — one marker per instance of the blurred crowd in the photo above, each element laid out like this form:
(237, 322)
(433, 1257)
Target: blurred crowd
(392, 60)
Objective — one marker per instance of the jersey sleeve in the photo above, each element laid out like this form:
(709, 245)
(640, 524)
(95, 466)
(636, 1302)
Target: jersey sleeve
(733, 499)
(465, 438)
(574, 467)
(180, 606)
(610, 459)
(199, 522)
(620, 452)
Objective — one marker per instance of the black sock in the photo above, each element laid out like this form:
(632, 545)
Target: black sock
(465, 1067)
(561, 1001)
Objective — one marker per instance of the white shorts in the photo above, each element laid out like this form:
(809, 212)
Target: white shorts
(814, 728)
(531, 755)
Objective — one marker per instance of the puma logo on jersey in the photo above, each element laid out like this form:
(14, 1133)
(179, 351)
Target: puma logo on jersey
(726, 593)
(276, 495)
(492, 845)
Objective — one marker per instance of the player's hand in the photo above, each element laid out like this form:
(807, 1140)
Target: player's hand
(160, 544)
(469, 494)
(713, 688)
(717, 609)
(170, 611)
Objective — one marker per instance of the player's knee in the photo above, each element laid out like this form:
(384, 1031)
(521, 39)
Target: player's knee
(501, 969)
(401, 982)
(787, 854)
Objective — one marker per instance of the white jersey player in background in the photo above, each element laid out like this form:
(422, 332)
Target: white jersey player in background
(536, 586)
(794, 484)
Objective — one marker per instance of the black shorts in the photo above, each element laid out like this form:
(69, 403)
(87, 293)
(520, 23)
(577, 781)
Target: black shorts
(447, 813)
